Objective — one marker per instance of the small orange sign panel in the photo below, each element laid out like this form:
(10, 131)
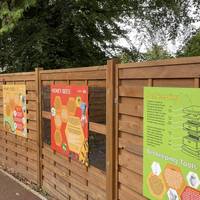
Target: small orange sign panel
(14, 109)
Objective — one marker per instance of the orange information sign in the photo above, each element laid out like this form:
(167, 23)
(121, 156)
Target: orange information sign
(69, 121)
(14, 109)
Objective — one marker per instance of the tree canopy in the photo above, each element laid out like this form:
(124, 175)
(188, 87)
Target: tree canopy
(192, 46)
(157, 52)
(60, 33)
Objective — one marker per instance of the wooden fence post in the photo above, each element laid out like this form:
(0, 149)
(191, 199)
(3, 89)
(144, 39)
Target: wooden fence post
(116, 119)
(38, 125)
(110, 130)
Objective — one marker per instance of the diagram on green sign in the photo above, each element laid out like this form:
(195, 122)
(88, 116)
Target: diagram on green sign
(191, 142)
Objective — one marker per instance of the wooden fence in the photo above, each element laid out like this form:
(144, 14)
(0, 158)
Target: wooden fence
(131, 79)
(21, 154)
(62, 177)
(115, 113)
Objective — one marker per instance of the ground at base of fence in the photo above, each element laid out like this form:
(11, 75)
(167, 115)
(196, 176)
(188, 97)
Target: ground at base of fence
(11, 190)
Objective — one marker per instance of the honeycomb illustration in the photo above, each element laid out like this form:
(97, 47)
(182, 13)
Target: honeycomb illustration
(156, 185)
(57, 103)
(71, 106)
(58, 137)
(190, 193)
(173, 178)
(58, 121)
(64, 114)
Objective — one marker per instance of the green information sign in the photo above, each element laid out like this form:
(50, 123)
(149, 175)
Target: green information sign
(171, 143)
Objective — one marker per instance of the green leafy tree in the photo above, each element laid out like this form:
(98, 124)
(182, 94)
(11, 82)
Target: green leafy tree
(157, 52)
(192, 46)
(11, 11)
(158, 14)
(60, 33)
(132, 55)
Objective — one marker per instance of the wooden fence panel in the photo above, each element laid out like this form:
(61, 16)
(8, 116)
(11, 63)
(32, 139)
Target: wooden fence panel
(62, 177)
(132, 79)
(18, 153)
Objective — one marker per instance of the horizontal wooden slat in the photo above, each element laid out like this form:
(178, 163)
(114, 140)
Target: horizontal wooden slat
(126, 193)
(46, 115)
(131, 108)
(31, 95)
(131, 180)
(17, 77)
(131, 161)
(97, 83)
(87, 75)
(31, 115)
(131, 143)
(131, 91)
(167, 82)
(80, 69)
(132, 125)
(168, 62)
(31, 105)
(179, 71)
(97, 128)
(32, 125)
